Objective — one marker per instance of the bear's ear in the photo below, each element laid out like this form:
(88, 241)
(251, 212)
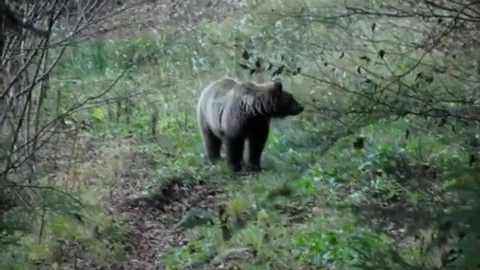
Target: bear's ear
(277, 86)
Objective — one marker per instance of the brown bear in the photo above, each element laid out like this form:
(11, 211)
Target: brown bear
(231, 112)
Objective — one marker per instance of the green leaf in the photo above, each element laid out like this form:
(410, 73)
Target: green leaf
(98, 113)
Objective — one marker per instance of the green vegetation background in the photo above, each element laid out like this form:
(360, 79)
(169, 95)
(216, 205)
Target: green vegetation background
(339, 191)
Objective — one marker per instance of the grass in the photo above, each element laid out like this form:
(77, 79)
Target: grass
(344, 208)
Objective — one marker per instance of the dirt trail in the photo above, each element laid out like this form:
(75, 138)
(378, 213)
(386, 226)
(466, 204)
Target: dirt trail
(151, 222)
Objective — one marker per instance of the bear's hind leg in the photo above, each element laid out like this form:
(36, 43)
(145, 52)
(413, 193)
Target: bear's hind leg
(256, 144)
(212, 144)
(234, 151)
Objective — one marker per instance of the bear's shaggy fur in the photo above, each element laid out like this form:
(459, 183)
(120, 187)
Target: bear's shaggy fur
(232, 112)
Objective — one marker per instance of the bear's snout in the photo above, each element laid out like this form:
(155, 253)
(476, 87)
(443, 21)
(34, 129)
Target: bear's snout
(298, 109)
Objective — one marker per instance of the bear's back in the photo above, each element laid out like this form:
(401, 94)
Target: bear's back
(219, 89)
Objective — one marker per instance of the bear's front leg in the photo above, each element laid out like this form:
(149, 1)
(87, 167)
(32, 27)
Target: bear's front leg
(234, 147)
(256, 144)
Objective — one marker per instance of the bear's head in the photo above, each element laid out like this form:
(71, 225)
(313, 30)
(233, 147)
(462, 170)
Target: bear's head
(284, 103)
